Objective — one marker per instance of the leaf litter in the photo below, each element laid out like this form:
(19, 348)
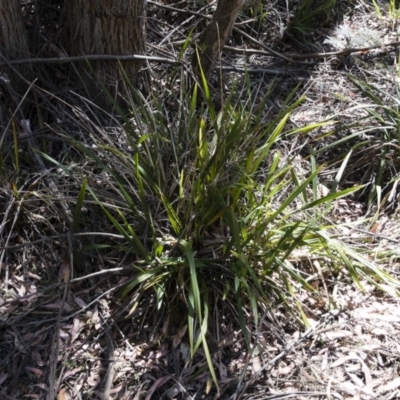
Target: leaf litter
(351, 349)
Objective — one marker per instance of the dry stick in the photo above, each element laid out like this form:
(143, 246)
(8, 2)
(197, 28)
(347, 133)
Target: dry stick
(260, 70)
(266, 48)
(94, 57)
(310, 55)
(111, 366)
(289, 57)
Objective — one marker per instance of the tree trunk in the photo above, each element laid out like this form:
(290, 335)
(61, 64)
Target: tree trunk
(215, 35)
(13, 45)
(113, 27)
(13, 40)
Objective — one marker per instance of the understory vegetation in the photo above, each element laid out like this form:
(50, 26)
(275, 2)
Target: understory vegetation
(200, 210)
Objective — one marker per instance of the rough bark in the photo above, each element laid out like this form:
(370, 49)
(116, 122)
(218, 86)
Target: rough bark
(115, 27)
(13, 39)
(216, 34)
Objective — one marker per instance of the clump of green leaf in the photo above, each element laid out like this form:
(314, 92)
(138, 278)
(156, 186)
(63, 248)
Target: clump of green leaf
(211, 209)
(309, 14)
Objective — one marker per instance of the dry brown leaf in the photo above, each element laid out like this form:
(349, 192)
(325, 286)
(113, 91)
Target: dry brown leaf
(223, 372)
(21, 290)
(348, 387)
(353, 367)
(104, 307)
(286, 369)
(36, 356)
(32, 396)
(62, 395)
(93, 379)
(379, 332)
(209, 385)
(95, 318)
(178, 337)
(36, 371)
(360, 384)
(117, 389)
(173, 391)
(226, 381)
(64, 272)
(54, 306)
(256, 361)
(162, 352)
(340, 361)
(338, 334)
(227, 340)
(75, 329)
(367, 376)
(381, 317)
(185, 351)
(164, 328)
(392, 385)
(70, 373)
(370, 347)
(19, 345)
(63, 335)
(34, 276)
(158, 383)
(41, 386)
(80, 302)
(3, 377)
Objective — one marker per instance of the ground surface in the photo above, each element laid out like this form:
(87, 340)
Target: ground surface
(81, 342)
